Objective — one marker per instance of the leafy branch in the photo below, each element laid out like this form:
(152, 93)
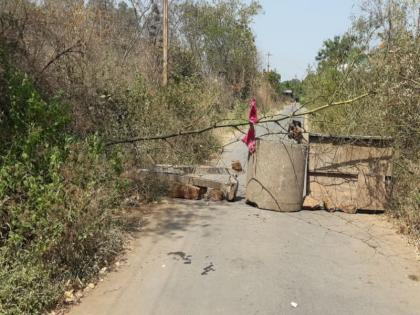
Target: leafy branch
(236, 125)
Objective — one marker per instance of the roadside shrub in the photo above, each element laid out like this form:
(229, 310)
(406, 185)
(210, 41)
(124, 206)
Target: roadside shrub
(145, 110)
(383, 58)
(57, 200)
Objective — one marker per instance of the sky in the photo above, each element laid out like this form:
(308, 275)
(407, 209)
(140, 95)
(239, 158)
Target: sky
(293, 31)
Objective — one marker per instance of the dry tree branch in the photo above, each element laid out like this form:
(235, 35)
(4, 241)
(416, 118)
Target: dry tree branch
(235, 125)
(336, 104)
(349, 69)
(239, 129)
(140, 25)
(60, 54)
(416, 83)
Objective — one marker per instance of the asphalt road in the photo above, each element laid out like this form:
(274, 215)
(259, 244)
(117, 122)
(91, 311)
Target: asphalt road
(229, 258)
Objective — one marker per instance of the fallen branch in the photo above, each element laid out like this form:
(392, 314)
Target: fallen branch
(219, 125)
(335, 104)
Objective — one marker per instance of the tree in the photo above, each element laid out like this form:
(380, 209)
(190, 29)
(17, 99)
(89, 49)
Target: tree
(273, 79)
(338, 50)
(219, 35)
(295, 85)
(154, 24)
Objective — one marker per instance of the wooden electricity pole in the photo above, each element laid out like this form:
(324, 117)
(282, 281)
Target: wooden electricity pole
(165, 42)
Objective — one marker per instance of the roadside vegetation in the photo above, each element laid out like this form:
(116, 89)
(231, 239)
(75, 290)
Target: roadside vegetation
(379, 55)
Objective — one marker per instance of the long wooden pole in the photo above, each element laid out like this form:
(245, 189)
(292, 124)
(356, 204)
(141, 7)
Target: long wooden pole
(165, 42)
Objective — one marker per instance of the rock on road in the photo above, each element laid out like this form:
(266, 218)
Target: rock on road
(229, 258)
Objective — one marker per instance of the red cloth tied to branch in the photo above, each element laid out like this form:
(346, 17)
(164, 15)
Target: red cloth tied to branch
(249, 139)
(253, 118)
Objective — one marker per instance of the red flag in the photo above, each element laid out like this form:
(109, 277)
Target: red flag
(249, 139)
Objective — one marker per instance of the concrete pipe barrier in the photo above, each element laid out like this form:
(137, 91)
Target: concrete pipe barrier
(276, 176)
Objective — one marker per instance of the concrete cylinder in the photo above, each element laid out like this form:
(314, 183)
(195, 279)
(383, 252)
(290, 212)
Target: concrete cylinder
(276, 176)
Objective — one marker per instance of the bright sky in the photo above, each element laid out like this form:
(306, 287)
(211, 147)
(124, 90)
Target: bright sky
(293, 31)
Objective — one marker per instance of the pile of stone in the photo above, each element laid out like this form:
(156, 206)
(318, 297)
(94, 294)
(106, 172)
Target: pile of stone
(194, 182)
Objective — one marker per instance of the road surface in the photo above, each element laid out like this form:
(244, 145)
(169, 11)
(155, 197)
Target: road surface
(195, 258)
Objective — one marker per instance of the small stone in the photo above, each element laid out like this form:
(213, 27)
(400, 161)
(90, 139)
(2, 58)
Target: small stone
(184, 191)
(91, 285)
(329, 205)
(69, 296)
(78, 295)
(215, 195)
(103, 270)
(311, 203)
(237, 166)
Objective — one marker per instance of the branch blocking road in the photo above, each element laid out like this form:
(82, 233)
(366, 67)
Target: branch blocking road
(219, 125)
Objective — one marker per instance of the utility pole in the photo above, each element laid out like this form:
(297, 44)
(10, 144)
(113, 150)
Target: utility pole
(268, 61)
(165, 41)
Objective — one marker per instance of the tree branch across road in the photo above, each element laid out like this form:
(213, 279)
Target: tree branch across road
(219, 125)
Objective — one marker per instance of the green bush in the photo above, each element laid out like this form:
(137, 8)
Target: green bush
(57, 197)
